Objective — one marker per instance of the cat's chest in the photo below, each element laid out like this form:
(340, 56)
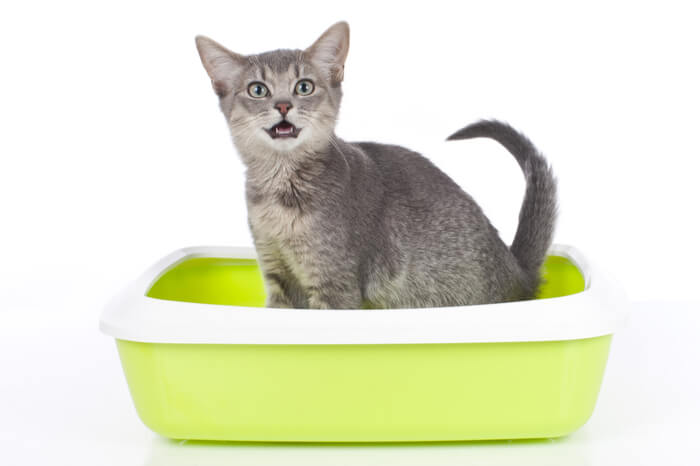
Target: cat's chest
(272, 221)
(281, 206)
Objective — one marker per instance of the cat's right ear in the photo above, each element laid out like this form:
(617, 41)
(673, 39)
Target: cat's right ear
(221, 64)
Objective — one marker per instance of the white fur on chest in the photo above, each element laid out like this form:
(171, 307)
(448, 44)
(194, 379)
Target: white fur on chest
(274, 223)
(271, 220)
(283, 233)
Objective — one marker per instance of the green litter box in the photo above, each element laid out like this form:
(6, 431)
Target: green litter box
(205, 360)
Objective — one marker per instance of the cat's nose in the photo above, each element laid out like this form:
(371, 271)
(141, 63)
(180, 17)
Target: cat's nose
(283, 107)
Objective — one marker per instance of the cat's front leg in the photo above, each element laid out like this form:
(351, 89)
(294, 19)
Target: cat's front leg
(332, 294)
(278, 300)
(279, 287)
(328, 277)
(275, 294)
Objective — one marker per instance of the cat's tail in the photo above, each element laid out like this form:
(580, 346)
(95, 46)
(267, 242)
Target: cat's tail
(539, 209)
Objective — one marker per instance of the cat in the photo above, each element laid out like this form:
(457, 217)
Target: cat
(339, 225)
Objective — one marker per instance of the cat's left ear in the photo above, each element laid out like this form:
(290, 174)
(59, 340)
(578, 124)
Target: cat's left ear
(331, 49)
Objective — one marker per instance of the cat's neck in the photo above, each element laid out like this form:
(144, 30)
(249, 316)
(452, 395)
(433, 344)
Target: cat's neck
(296, 175)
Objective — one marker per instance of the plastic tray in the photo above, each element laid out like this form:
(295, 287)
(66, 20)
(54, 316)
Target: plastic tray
(204, 360)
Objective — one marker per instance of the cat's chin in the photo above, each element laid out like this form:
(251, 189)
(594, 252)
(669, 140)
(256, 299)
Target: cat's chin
(284, 144)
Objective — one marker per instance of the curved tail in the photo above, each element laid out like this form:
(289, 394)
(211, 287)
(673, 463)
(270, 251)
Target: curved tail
(539, 209)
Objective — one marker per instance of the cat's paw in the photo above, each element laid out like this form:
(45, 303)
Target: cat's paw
(278, 302)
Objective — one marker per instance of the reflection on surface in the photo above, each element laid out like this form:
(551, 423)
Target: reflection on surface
(567, 451)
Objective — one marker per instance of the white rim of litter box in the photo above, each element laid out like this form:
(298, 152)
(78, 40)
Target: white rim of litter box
(131, 315)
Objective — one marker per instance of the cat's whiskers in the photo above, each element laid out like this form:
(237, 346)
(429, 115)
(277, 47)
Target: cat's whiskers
(246, 123)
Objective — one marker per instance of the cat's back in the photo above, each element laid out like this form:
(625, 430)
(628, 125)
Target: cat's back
(405, 170)
(412, 180)
(422, 202)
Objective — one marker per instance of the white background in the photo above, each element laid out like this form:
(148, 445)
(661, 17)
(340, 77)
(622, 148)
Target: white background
(113, 153)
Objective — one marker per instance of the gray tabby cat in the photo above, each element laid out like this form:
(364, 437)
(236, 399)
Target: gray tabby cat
(341, 225)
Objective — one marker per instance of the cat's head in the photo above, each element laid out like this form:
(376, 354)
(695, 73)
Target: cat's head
(281, 101)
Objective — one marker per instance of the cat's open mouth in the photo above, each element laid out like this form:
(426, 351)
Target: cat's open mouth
(283, 129)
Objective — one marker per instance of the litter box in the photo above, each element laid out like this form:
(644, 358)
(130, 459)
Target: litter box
(205, 360)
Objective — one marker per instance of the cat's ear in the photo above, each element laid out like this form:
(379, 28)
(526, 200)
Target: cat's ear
(221, 64)
(331, 49)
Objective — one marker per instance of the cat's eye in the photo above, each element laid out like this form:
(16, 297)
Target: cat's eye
(304, 87)
(258, 90)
